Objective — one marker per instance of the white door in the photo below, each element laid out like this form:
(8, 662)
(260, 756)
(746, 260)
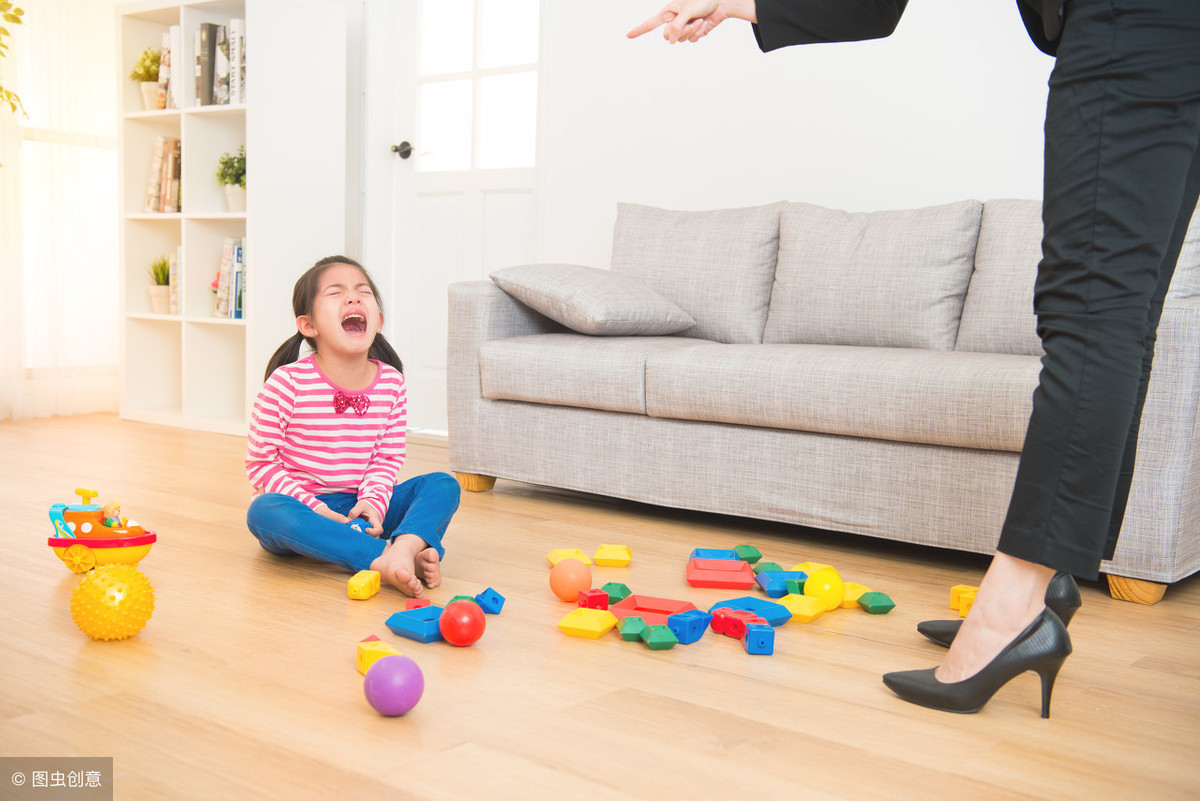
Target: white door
(463, 82)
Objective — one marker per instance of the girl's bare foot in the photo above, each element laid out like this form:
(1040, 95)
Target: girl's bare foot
(397, 565)
(429, 567)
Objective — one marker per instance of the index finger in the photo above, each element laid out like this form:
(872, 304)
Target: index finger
(661, 18)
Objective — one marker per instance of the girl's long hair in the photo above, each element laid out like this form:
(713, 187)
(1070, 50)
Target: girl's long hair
(303, 294)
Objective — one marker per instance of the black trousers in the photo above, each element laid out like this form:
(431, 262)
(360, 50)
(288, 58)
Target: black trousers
(1122, 177)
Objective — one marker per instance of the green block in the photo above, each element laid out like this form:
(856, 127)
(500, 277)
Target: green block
(748, 553)
(470, 598)
(761, 566)
(795, 586)
(616, 591)
(659, 638)
(876, 603)
(632, 628)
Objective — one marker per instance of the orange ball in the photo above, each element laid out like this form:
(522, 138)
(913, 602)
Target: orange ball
(570, 577)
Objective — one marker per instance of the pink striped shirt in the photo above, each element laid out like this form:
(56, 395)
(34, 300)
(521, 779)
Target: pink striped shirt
(300, 446)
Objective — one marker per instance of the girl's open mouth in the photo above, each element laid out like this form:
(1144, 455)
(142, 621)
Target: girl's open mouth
(354, 323)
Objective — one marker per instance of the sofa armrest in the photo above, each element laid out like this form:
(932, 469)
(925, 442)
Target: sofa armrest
(478, 311)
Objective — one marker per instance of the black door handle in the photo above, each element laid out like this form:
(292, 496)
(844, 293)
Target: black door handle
(404, 150)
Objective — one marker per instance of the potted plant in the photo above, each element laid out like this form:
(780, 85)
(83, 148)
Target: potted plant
(231, 173)
(160, 285)
(145, 72)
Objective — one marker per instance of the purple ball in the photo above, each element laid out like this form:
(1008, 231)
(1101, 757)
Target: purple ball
(393, 685)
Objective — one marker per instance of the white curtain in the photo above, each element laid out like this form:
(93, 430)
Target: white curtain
(59, 229)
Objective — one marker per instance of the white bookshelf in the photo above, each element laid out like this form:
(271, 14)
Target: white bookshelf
(192, 369)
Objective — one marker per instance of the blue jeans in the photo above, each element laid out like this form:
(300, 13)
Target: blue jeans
(421, 506)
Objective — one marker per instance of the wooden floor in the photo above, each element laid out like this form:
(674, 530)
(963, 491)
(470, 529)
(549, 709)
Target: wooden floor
(243, 684)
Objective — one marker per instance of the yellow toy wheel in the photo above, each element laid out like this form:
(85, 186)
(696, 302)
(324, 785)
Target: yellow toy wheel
(79, 558)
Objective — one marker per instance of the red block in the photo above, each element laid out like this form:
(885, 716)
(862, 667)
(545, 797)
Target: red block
(593, 599)
(732, 622)
(654, 611)
(726, 574)
(416, 603)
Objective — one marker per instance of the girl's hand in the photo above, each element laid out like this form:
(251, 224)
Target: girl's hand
(370, 514)
(325, 511)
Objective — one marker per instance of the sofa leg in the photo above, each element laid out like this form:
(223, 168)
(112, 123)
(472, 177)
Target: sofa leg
(473, 482)
(1136, 590)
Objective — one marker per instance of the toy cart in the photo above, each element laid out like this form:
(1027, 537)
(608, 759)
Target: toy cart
(87, 539)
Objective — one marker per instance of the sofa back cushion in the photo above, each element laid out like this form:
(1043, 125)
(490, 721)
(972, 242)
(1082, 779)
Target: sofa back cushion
(715, 265)
(998, 313)
(879, 279)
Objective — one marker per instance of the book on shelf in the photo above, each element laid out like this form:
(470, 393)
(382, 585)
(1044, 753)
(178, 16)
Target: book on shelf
(169, 174)
(230, 284)
(221, 63)
(206, 56)
(174, 86)
(237, 61)
(154, 184)
(221, 67)
(164, 70)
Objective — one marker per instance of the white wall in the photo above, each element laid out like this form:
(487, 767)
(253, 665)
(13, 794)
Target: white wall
(949, 107)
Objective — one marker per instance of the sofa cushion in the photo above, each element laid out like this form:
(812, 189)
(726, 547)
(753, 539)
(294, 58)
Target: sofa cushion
(879, 279)
(967, 400)
(593, 301)
(572, 369)
(998, 312)
(717, 265)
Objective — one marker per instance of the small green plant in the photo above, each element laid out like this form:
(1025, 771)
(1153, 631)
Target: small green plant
(13, 17)
(231, 170)
(160, 271)
(146, 68)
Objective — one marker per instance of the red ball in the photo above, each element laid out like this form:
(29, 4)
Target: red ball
(462, 623)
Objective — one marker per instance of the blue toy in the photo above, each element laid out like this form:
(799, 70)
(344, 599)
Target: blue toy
(775, 582)
(491, 601)
(759, 639)
(714, 553)
(689, 626)
(420, 624)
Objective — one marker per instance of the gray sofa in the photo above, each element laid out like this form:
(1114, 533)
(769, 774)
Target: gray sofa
(856, 372)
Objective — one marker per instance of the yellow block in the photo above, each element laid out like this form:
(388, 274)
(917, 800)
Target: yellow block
(852, 592)
(363, 584)
(965, 602)
(613, 555)
(804, 608)
(590, 623)
(957, 591)
(371, 650)
(810, 567)
(559, 554)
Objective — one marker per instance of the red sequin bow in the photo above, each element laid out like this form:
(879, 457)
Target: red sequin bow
(342, 402)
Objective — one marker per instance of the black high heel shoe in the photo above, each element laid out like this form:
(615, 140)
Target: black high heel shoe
(1062, 598)
(1042, 647)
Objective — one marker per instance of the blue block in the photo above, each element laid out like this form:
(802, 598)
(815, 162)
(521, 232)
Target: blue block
(774, 582)
(491, 601)
(689, 626)
(714, 553)
(359, 525)
(773, 613)
(759, 639)
(420, 624)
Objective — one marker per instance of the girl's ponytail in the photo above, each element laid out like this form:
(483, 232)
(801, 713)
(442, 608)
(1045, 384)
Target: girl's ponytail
(382, 350)
(286, 353)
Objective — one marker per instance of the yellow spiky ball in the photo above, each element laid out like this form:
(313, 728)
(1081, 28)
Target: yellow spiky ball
(112, 602)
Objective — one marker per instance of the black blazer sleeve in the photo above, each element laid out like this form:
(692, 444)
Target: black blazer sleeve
(791, 22)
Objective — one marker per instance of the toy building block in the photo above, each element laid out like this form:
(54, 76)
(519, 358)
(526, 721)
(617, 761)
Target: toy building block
(876, 603)
(726, 574)
(370, 649)
(965, 602)
(559, 554)
(416, 603)
(590, 623)
(593, 599)
(733, 622)
(759, 638)
(616, 591)
(654, 611)
(774, 613)
(613, 555)
(853, 591)
(363, 585)
(761, 566)
(957, 591)
(659, 638)
(796, 586)
(810, 567)
(714, 553)
(804, 608)
(632, 628)
(775, 583)
(491, 601)
(748, 553)
(420, 624)
(359, 525)
(689, 626)
(470, 598)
